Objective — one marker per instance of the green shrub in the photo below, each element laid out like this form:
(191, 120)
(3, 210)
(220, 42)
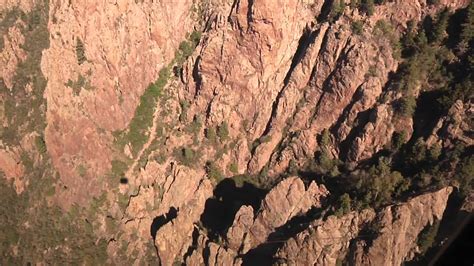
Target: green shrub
(195, 126)
(427, 236)
(467, 34)
(79, 84)
(435, 152)
(40, 144)
(80, 51)
(439, 31)
(189, 154)
(344, 205)
(465, 176)
(119, 168)
(265, 139)
(123, 201)
(407, 106)
(195, 37)
(326, 163)
(211, 134)
(354, 4)
(398, 139)
(256, 180)
(367, 6)
(325, 138)
(186, 156)
(81, 170)
(184, 111)
(223, 131)
(337, 9)
(234, 168)
(372, 72)
(137, 134)
(186, 48)
(357, 27)
(379, 184)
(385, 29)
(214, 172)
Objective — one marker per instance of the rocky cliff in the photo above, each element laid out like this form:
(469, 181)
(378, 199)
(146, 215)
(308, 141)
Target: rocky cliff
(232, 132)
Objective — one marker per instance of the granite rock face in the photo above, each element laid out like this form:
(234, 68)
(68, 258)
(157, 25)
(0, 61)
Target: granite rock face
(325, 242)
(115, 49)
(288, 199)
(285, 201)
(400, 226)
(249, 100)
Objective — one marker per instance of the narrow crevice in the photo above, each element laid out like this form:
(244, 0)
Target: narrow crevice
(208, 109)
(206, 253)
(194, 244)
(235, 6)
(361, 120)
(326, 86)
(275, 104)
(312, 77)
(345, 113)
(264, 254)
(325, 11)
(249, 13)
(427, 114)
(197, 77)
(305, 41)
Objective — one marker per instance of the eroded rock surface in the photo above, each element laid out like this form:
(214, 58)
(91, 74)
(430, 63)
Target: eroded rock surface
(116, 49)
(249, 100)
(399, 227)
(325, 242)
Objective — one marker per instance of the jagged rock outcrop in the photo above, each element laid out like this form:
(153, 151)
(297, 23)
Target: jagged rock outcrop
(11, 54)
(324, 242)
(210, 253)
(457, 125)
(286, 200)
(329, 73)
(181, 228)
(392, 242)
(254, 48)
(11, 168)
(164, 205)
(398, 229)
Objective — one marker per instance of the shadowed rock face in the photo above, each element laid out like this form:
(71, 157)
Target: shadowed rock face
(249, 99)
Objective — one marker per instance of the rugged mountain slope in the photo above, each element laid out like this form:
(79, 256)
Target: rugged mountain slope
(230, 132)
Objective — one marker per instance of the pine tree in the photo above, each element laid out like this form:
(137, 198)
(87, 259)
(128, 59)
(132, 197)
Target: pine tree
(368, 7)
(468, 26)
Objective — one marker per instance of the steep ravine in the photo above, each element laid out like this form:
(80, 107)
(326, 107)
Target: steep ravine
(233, 132)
